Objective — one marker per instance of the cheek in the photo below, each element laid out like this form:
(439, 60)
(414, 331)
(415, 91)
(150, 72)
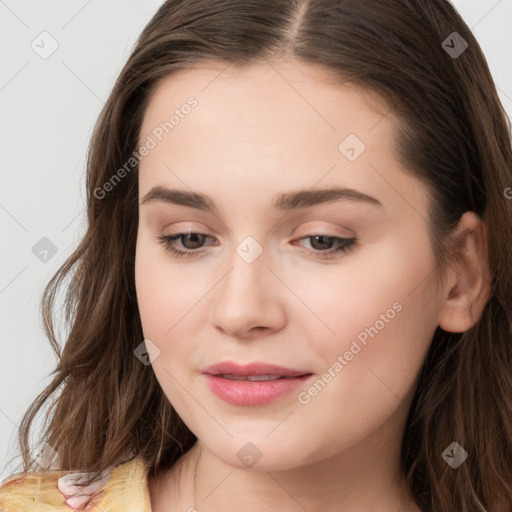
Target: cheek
(383, 314)
(165, 292)
(166, 301)
(173, 300)
(387, 286)
(151, 298)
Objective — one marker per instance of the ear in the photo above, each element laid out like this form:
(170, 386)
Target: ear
(468, 279)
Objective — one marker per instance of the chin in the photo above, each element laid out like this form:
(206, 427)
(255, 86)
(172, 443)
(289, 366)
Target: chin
(259, 454)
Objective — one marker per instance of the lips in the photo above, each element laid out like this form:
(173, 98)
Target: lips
(251, 371)
(253, 384)
(253, 378)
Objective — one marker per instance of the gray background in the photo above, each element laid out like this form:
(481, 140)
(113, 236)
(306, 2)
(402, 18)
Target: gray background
(48, 107)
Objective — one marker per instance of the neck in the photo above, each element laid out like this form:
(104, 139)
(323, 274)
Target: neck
(363, 476)
(360, 478)
(331, 484)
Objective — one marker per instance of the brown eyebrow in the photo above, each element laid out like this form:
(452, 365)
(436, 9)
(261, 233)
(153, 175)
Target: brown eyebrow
(284, 201)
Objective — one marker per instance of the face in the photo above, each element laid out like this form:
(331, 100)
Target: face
(338, 286)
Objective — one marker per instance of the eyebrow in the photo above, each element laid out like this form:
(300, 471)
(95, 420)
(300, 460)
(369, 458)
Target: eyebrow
(283, 202)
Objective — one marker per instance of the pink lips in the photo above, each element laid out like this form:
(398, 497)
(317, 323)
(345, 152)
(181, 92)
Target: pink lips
(249, 393)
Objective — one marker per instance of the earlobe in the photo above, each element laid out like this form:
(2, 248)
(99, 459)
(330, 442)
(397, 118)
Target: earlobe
(468, 285)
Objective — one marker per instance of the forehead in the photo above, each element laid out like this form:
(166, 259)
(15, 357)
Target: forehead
(279, 125)
(309, 86)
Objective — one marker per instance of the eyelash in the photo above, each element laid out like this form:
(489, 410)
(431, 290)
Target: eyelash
(345, 245)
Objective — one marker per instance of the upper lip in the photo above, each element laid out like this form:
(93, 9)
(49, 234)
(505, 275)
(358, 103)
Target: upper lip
(256, 368)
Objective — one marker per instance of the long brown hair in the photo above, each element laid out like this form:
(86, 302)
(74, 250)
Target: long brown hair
(453, 135)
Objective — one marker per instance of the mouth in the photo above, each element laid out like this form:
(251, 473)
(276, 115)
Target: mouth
(257, 378)
(253, 384)
(253, 371)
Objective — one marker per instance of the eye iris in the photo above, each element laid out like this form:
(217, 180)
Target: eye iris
(327, 241)
(197, 240)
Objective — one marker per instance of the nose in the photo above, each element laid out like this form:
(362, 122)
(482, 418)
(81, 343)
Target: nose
(249, 300)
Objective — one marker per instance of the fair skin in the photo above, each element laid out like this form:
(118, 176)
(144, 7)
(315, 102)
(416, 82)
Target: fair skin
(255, 133)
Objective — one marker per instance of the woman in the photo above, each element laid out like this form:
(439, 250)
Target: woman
(295, 271)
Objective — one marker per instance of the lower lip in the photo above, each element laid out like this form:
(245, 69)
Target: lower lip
(246, 392)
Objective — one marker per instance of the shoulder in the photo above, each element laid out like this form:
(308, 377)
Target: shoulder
(28, 491)
(122, 486)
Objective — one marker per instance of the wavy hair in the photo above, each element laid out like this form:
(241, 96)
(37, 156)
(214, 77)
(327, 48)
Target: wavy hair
(453, 134)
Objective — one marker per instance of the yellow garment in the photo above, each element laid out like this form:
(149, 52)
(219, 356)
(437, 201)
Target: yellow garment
(125, 491)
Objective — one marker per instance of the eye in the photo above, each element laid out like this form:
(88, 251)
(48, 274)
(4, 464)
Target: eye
(324, 246)
(336, 245)
(194, 239)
